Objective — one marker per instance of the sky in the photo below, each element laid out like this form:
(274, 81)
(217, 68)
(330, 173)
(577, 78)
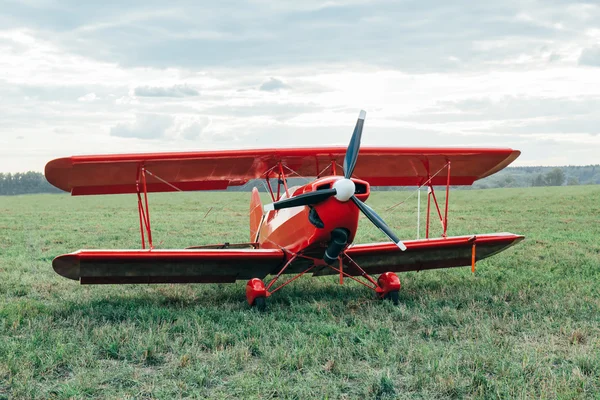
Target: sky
(144, 76)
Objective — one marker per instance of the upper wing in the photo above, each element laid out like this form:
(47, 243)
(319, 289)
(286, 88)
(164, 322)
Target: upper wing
(377, 258)
(211, 170)
(167, 266)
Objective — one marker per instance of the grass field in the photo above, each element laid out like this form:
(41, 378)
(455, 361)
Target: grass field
(527, 325)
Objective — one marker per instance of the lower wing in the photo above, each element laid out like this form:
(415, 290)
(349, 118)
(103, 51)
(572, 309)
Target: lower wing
(228, 263)
(203, 265)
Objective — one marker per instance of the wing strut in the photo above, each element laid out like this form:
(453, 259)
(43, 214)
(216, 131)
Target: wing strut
(281, 182)
(473, 254)
(430, 195)
(143, 209)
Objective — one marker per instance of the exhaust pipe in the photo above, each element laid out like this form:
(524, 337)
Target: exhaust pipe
(339, 240)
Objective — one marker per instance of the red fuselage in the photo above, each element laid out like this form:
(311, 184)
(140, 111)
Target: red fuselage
(292, 229)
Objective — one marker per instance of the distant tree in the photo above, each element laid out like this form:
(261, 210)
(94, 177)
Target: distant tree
(9, 184)
(507, 181)
(539, 180)
(556, 177)
(25, 183)
(572, 181)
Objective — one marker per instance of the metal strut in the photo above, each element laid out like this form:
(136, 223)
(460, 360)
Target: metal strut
(268, 179)
(282, 180)
(473, 254)
(362, 272)
(372, 284)
(430, 195)
(447, 199)
(287, 264)
(143, 208)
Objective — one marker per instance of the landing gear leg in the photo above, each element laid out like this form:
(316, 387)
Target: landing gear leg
(388, 287)
(256, 294)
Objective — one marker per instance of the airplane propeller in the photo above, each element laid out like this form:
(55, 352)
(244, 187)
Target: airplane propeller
(343, 189)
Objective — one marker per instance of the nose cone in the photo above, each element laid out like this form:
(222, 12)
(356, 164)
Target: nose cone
(345, 189)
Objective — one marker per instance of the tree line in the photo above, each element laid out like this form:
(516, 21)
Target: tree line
(25, 183)
(35, 182)
(542, 176)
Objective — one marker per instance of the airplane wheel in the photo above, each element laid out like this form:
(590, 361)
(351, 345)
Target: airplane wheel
(260, 303)
(393, 296)
(256, 294)
(390, 284)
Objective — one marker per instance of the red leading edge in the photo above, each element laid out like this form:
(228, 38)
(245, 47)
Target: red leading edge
(308, 228)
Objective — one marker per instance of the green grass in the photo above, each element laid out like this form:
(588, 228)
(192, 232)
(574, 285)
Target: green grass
(527, 325)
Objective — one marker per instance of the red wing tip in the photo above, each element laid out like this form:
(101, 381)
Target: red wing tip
(67, 265)
(57, 173)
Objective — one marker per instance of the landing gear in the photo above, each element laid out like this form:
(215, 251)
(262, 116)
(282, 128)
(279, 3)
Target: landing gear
(388, 287)
(256, 294)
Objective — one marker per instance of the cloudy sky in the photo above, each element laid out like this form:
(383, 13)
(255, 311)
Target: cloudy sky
(104, 77)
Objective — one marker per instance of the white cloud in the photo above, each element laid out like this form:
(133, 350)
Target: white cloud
(273, 85)
(511, 74)
(590, 56)
(172, 91)
(145, 126)
(87, 98)
(195, 129)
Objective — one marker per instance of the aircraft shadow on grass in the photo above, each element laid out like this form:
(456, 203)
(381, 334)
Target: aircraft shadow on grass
(161, 306)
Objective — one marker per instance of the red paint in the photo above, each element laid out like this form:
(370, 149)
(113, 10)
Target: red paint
(212, 170)
(388, 282)
(437, 207)
(382, 248)
(237, 264)
(255, 288)
(289, 280)
(281, 271)
(141, 214)
(156, 187)
(147, 209)
(473, 257)
(357, 267)
(290, 228)
(447, 199)
(192, 254)
(256, 215)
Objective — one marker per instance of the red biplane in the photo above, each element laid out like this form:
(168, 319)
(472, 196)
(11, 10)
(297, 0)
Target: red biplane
(308, 228)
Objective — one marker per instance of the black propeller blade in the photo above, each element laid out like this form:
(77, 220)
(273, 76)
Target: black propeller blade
(354, 146)
(378, 222)
(305, 199)
(321, 195)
